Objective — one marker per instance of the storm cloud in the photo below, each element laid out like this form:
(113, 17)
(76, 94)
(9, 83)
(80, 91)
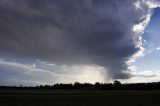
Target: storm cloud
(105, 33)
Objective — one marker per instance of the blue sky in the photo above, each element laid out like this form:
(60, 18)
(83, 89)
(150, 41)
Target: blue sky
(152, 36)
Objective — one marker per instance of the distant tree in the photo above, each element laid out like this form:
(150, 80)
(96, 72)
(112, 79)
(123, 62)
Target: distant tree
(117, 83)
(97, 84)
(21, 86)
(77, 85)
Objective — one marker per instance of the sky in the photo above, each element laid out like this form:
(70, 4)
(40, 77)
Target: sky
(148, 65)
(66, 41)
(151, 35)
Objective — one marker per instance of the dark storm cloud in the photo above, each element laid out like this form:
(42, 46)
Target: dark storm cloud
(71, 32)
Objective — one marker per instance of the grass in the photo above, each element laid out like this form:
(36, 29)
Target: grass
(79, 98)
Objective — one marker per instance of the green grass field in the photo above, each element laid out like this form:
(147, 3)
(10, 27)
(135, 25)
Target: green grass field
(79, 98)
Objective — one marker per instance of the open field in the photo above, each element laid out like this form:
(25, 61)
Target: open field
(79, 98)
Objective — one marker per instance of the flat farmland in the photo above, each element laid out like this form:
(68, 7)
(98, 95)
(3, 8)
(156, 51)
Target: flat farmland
(78, 98)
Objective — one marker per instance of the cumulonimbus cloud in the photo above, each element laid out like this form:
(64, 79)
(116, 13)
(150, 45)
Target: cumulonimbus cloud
(105, 33)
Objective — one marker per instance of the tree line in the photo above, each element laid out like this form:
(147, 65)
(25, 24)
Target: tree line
(97, 86)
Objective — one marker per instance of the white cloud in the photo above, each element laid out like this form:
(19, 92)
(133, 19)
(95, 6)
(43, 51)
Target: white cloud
(132, 68)
(143, 76)
(158, 48)
(153, 3)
